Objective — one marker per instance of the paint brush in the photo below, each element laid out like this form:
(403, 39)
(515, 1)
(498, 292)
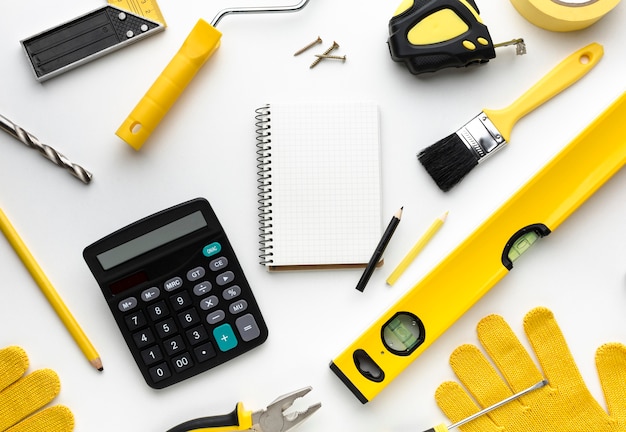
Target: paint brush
(450, 159)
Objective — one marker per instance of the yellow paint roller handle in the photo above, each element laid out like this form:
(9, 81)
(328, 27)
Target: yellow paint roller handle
(566, 73)
(203, 40)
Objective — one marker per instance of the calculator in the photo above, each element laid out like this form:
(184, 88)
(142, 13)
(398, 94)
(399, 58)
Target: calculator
(177, 292)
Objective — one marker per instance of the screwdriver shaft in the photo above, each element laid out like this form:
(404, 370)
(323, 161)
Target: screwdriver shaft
(498, 404)
(45, 150)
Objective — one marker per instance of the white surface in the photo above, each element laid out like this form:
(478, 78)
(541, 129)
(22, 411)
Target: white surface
(206, 147)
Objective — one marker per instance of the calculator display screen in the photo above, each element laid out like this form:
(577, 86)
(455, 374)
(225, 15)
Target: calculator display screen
(151, 240)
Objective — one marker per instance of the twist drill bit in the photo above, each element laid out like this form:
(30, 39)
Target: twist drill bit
(45, 150)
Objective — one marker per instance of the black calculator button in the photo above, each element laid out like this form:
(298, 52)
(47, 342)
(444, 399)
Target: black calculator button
(127, 304)
(188, 318)
(158, 310)
(209, 303)
(195, 274)
(182, 362)
(197, 335)
(166, 328)
(135, 321)
(232, 292)
(144, 338)
(174, 345)
(215, 317)
(218, 263)
(180, 301)
(204, 352)
(152, 355)
(150, 294)
(202, 288)
(247, 327)
(173, 284)
(225, 278)
(238, 307)
(160, 372)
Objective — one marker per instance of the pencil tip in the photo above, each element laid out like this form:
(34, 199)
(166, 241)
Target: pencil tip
(97, 363)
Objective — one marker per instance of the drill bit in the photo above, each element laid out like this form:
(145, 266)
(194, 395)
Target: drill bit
(48, 152)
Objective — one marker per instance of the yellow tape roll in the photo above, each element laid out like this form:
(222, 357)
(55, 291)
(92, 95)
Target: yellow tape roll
(563, 15)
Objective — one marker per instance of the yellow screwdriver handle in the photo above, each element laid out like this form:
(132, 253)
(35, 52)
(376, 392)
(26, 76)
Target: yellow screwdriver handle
(566, 73)
(203, 40)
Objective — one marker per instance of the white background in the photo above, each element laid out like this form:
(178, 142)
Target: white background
(206, 147)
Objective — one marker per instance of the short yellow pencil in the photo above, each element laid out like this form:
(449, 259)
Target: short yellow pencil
(51, 294)
(417, 248)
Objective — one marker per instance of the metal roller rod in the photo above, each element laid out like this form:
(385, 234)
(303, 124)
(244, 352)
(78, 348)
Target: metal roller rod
(48, 152)
(257, 9)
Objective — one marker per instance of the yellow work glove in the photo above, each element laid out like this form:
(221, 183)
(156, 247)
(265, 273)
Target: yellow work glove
(564, 405)
(21, 396)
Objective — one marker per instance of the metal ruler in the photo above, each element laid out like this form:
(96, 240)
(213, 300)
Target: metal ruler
(146, 8)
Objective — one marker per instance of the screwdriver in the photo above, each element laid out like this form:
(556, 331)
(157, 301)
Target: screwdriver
(199, 45)
(432, 35)
(443, 428)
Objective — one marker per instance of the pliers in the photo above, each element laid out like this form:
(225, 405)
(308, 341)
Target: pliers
(270, 419)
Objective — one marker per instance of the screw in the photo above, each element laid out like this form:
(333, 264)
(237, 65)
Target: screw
(334, 46)
(334, 57)
(311, 45)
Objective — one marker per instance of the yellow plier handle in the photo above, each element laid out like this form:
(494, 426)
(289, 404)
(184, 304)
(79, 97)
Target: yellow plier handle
(238, 420)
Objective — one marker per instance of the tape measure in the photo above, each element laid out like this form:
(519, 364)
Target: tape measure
(563, 15)
(431, 35)
(146, 8)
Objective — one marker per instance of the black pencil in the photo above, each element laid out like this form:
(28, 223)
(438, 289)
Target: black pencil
(378, 253)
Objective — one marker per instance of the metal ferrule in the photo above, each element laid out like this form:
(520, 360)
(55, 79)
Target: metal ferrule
(481, 137)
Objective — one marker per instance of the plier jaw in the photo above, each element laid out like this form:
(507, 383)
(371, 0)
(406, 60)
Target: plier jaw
(270, 419)
(274, 419)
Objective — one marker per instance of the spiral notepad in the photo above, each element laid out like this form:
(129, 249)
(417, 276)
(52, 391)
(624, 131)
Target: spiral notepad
(319, 184)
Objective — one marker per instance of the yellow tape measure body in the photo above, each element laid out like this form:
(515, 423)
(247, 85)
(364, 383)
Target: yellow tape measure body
(145, 8)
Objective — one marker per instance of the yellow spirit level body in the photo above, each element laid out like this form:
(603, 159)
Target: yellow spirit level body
(410, 326)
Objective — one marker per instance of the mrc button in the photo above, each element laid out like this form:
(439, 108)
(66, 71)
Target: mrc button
(172, 284)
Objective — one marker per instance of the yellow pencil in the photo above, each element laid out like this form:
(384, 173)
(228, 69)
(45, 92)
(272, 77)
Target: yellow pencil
(51, 294)
(393, 277)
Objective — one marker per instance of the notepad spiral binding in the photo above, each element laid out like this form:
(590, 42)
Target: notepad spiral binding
(264, 147)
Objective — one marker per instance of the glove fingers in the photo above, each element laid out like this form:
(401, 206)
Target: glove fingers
(27, 396)
(457, 405)
(14, 363)
(507, 352)
(480, 378)
(611, 364)
(551, 348)
(54, 419)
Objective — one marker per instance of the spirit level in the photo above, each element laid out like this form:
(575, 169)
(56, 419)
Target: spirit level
(404, 331)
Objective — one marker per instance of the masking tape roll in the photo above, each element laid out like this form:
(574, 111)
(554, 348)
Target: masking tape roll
(563, 15)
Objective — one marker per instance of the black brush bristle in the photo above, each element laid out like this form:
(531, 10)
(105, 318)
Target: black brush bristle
(448, 161)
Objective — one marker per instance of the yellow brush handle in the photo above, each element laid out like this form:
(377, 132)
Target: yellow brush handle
(203, 40)
(566, 73)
